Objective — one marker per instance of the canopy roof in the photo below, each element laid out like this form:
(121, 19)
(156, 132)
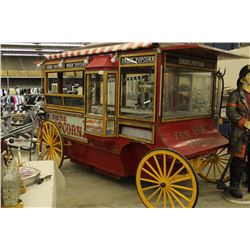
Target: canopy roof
(201, 50)
(194, 49)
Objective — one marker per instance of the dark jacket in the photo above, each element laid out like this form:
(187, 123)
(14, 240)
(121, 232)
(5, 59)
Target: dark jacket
(238, 113)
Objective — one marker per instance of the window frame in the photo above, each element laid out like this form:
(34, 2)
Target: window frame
(211, 70)
(58, 71)
(103, 116)
(153, 119)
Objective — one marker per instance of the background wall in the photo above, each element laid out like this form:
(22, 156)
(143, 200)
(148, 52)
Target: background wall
(233, 67)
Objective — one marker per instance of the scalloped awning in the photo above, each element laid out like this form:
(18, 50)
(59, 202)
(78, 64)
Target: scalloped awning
(99, 50)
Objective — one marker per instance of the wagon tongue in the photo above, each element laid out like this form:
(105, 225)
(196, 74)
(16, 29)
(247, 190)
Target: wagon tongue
(192, 138)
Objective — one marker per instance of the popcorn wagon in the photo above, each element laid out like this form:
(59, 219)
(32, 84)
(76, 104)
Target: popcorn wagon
(143, 109)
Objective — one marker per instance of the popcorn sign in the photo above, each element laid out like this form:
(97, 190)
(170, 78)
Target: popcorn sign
(70, 126)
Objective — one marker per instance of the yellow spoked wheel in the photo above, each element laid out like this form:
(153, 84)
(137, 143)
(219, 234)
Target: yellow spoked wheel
(165, 179)
(50, 143)
(214, 164)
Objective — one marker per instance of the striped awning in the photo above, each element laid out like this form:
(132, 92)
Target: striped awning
(99, 50)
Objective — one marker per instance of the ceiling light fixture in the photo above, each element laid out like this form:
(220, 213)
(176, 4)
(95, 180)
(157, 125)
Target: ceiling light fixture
(45, 44)
(31, 50)
(21, 54)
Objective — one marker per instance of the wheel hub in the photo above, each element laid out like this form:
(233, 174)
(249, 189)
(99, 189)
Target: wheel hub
(163, 184)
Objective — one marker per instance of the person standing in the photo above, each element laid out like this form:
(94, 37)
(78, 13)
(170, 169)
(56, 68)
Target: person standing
(238, 112)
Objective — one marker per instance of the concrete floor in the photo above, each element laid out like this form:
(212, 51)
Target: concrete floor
(87, 189)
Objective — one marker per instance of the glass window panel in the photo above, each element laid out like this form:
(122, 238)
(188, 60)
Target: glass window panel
(110, 127)
(73, 82)
(111, 94)
(187, 93)
(55, 100)
(53, 83)
(137, 92)
(73, 101)
(94, 93)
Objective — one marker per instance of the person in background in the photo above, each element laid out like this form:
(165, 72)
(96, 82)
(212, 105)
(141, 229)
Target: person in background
(238, 112)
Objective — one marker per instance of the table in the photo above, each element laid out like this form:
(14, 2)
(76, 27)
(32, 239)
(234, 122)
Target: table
(43, 195)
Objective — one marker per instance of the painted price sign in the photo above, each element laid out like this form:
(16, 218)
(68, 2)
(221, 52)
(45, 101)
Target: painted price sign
(94, 126)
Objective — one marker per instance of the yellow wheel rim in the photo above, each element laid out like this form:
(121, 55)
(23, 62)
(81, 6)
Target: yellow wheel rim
(214, 164)
(166, 179)
(50, 143)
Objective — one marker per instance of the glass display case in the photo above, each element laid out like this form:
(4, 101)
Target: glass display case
(187, 93)
(137, 92)
(94, 93)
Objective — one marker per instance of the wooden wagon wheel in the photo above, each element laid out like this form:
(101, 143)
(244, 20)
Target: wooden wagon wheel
(164, 178)
(50, 143)
(214, 164)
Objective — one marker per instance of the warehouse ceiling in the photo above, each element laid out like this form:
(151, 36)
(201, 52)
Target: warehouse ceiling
(38, 49)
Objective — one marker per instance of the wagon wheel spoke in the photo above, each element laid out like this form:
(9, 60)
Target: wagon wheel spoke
(150, 187)
(154, 193)
(149, 180)
(154, 171)
(164, 199)
(214, 168)
(180, 178)
(219, 167)
(158, 166)
(222, 155)
(221, 150)
(45, 137)
(47, 133)
(181, 187)
(146, 171)
(54, 153)
(170, 200)
(54, 139)
(180, 194)
(171, 167)
(57, 149)
(158, 198)
(177, 199)
(224, 160)
(177, 172)
(209, 170)
(57, 143)
(164, 167)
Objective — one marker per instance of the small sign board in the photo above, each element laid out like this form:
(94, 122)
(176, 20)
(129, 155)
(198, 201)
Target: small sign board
(137, 60)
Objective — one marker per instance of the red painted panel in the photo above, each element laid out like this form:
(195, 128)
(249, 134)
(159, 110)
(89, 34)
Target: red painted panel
(104, 161)
(102, 62)
(192, 137)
